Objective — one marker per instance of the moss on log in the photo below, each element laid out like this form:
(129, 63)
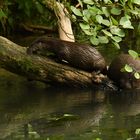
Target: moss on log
(15, 59)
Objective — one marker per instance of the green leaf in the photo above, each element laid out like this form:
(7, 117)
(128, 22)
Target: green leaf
(103, 39)
(130, 139)
(116, 45)
(135, 12)
(114, 21)
(90, 2)
(107, 33)
(126, 23)
(94, 10)
(94, 40)
(137, 76)
(133, 54)
(105, 11)
(88, 32)
(2, 14)
(116, 39)
(137, 132)
(84, 26)
(85, 19)
(39, 7)
(99, 19)
(105, 22)
(117, 31)
(98, 139)
(106, 1)
(86, 15)
(128, 68)
(74, 18)
(76, 11)
(115, 11)
(136, 2)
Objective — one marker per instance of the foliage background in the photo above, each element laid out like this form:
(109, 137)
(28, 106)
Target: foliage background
(114, 22)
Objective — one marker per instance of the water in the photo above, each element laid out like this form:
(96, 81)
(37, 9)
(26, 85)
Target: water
(32, 111)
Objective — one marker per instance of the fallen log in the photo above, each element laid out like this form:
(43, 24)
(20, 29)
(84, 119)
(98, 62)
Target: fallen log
(14, 58)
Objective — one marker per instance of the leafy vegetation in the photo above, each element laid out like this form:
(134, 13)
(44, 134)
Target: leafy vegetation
(102, 21)
(14, 14)
(128, 68)
(106, 21)
(137, 135)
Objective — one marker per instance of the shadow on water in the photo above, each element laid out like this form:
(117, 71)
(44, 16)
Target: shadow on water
(36, 112)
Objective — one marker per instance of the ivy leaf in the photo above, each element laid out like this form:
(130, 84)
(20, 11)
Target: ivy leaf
(137, 75)
(136, 2)
(105, 22)
(126, 23)
(128, 68)
(116, 39)
(94, 10)
(94, 40)
(137, 132)
(90, 2)
(76, 11)
(99, 19)
(117, 31)
(84, 26)
(106, 1)
(114, 21)
(105, 11)
(107, 33)
(86, 15)
(115, 11)
(85, 19)
(116, 45)
(74, 18)
(135, 12)
(103, 39)
(133, 54)
(88, 32)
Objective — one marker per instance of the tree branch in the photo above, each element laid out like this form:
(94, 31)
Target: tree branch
(64, 22)
(15, 59)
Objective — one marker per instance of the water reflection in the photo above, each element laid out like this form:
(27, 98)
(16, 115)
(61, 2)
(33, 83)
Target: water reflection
(27, 110)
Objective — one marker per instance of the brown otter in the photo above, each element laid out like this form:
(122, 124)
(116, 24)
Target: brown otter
(124, 80)
(81, 56)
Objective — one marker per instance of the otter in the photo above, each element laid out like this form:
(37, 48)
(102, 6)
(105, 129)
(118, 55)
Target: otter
(82, 56)
(124, 80)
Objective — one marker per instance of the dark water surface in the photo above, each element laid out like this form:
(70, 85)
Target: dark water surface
(31, 111)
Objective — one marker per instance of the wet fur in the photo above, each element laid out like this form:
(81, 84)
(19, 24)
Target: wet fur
(78, 55)
(124, 80)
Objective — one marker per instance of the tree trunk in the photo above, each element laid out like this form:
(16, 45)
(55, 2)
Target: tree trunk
(64, 22)
(15, 59)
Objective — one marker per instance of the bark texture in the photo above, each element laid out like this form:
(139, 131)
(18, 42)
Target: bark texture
(15, 59)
